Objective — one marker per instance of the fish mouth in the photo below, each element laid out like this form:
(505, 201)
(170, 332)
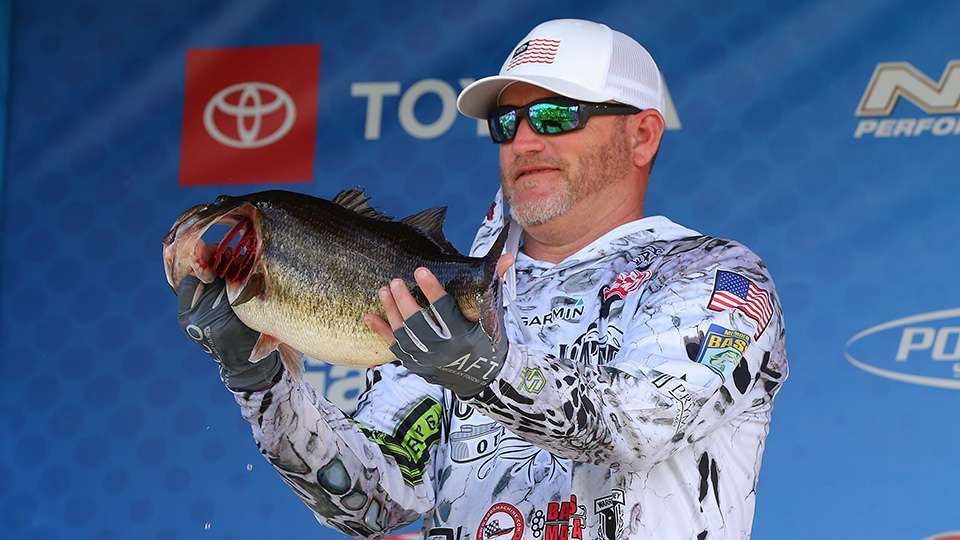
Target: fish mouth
(234, 264)
(185, 252)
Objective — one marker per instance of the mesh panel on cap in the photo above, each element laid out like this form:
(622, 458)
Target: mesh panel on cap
(634, 77)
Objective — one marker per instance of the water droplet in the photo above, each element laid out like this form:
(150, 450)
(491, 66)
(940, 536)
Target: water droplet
(207, 526)
(249, 466)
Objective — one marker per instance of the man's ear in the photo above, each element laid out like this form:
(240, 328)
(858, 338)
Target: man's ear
(645, 129)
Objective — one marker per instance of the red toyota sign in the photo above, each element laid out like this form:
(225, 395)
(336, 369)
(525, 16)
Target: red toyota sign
(250, 115)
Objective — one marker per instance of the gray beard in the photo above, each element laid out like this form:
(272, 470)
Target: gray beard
(542, 211)
(604, 165)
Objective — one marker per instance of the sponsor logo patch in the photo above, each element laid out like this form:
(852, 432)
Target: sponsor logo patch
(610, 511)
(565, 520)
(626, 283)
(531, 380)
(410, 441)
(591, 346)
(677, 389)
(564, 312)
(473, 442)
(722, 350)
(537, 522)
(502, 520)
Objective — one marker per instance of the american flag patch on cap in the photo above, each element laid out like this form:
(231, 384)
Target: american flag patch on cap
(535, 51)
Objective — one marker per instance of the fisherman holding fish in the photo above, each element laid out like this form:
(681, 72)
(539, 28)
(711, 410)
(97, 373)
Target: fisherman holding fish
(590, 408)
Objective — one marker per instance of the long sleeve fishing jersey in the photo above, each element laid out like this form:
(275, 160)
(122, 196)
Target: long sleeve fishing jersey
(634, 403)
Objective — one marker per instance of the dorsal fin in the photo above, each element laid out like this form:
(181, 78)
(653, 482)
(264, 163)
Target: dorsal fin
(355, 200)
(430, 223)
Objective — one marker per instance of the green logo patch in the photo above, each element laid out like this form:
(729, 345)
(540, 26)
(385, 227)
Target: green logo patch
(410, 442)
(532, 380)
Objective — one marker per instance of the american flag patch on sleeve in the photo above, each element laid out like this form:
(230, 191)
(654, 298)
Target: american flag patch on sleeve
(733, 291)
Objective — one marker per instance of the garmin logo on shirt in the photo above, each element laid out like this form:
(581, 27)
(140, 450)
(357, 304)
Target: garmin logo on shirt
(565, 312)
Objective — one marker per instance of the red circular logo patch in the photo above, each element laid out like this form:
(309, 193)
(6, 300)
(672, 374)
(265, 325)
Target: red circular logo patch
(500, 520)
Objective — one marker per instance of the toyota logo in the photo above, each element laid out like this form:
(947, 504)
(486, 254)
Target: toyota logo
(256, 101)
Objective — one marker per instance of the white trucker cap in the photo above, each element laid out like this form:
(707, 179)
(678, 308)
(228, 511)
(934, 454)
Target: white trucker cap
(578, 59)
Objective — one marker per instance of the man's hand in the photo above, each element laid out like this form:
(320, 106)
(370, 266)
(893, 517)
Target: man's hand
(207, 318)
(438, 343)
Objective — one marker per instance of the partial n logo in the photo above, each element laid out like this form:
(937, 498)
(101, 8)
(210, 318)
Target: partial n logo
(893, 80)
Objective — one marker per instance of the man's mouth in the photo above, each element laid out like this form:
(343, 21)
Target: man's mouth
(532, 170)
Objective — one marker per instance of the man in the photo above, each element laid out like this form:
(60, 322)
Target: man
(631, 392)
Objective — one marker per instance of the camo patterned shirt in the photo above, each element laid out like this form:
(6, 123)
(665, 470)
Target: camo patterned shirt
(634, 403)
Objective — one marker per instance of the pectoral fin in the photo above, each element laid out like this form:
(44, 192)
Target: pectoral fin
(290, 357)
(292, 360)
(264, 346)
(254, 287)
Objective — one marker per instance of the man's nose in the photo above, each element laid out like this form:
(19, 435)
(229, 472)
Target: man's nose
(526, 139)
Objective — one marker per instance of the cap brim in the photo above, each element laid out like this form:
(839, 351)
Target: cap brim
(478, 99)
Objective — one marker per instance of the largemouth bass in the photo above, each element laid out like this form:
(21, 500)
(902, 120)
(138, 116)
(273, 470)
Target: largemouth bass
(303, 270)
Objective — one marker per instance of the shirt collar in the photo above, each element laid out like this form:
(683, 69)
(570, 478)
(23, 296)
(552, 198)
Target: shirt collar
(638, 232)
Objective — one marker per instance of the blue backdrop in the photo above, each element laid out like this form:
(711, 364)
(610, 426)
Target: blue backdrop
(822, 134)
(4, 77)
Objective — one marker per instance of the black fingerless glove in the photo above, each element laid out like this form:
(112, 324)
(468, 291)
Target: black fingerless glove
(207, 318)
(445, 348)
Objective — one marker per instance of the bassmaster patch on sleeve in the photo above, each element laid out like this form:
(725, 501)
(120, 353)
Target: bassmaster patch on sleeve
(410, 442)
(722, 350)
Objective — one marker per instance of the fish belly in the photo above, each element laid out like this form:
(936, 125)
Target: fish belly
(323, 334)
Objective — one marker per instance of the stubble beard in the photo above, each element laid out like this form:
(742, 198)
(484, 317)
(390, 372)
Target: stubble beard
(603, 164)
(543, 209)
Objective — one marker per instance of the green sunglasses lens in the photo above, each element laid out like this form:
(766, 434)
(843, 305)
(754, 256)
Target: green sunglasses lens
(546, 118)
(505, 126)
(551, 118)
